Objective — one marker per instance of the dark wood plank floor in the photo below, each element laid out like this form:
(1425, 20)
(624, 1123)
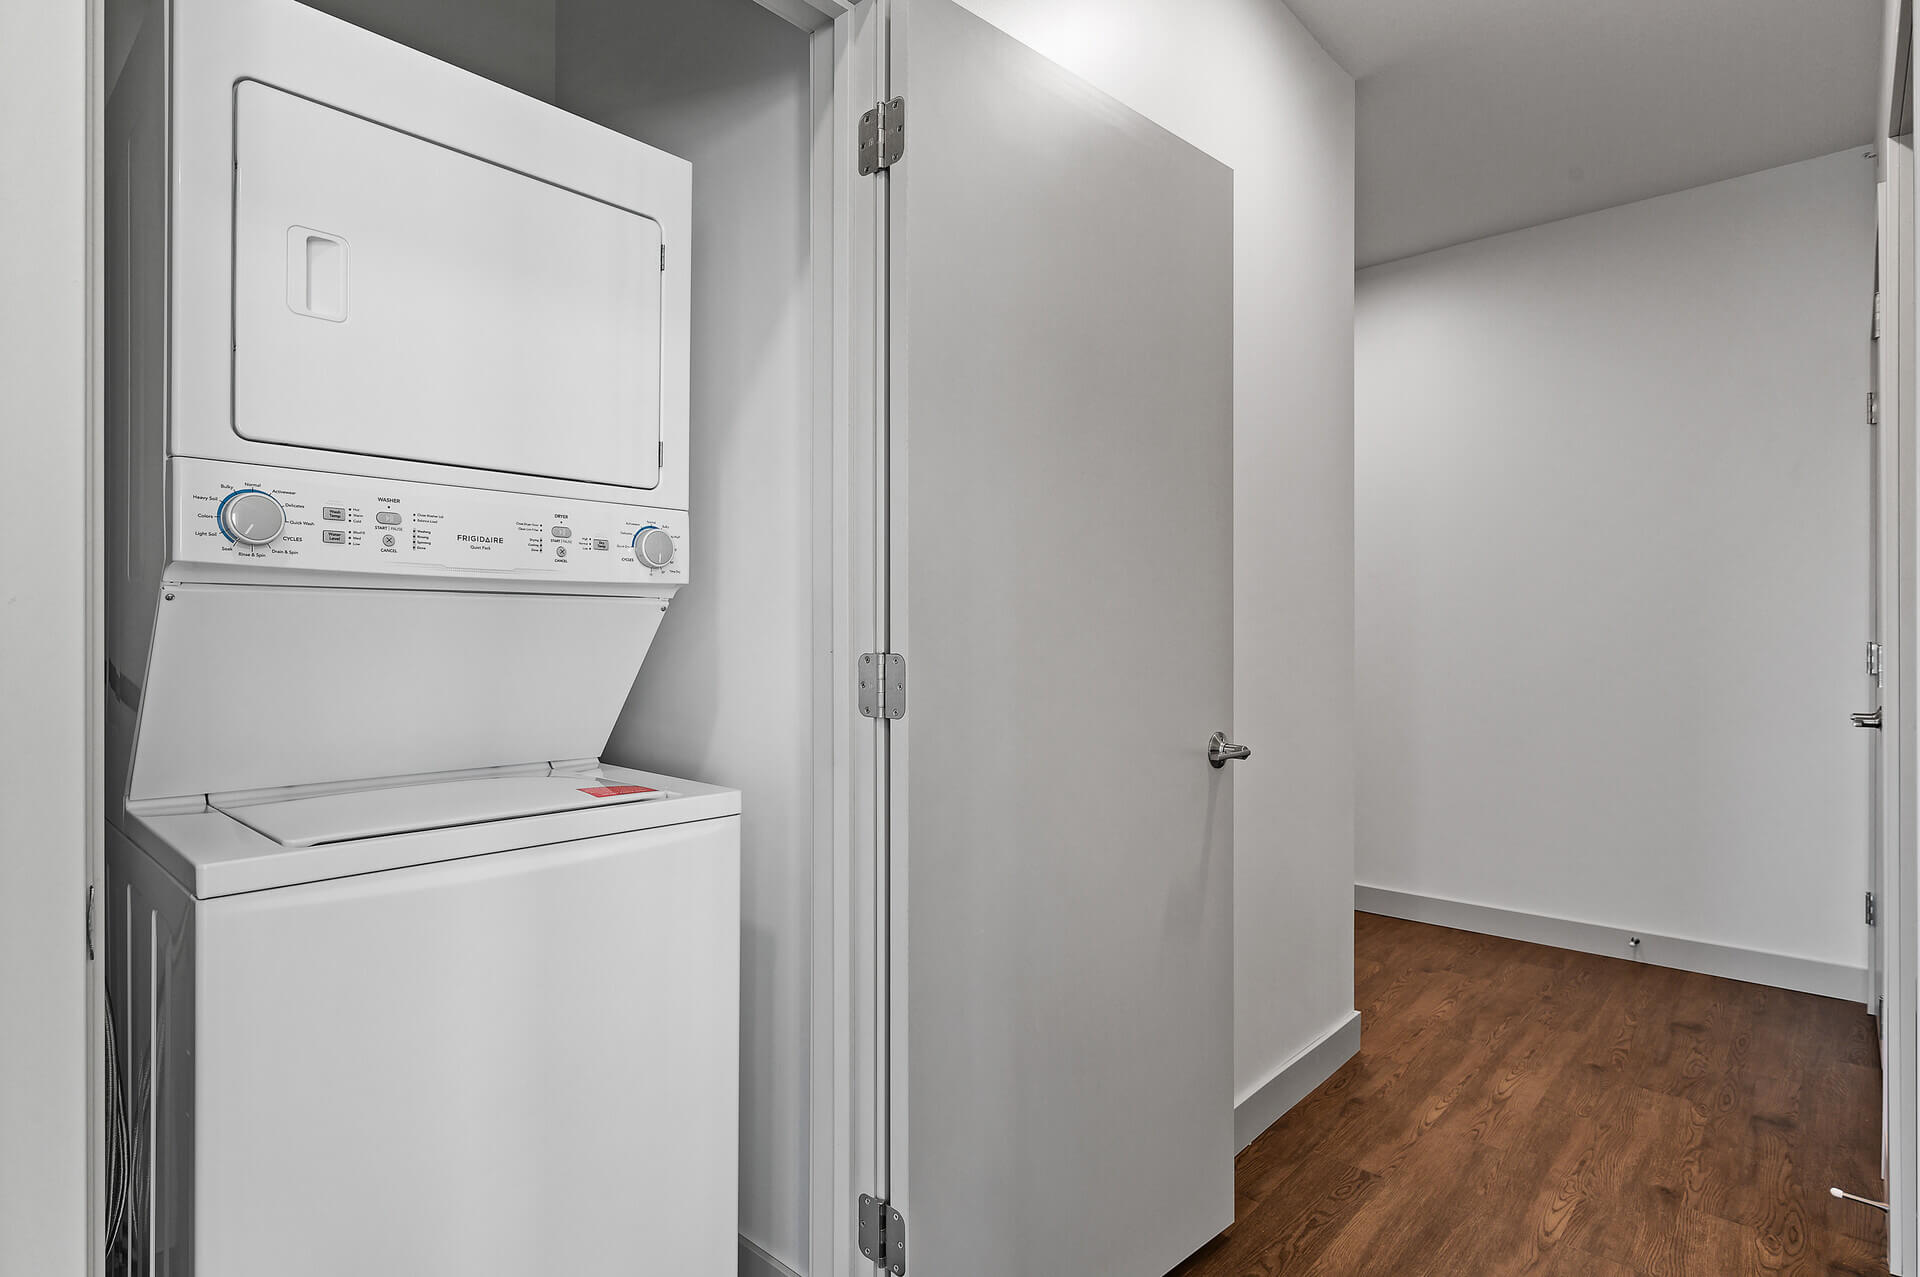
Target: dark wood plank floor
(1521, 1109)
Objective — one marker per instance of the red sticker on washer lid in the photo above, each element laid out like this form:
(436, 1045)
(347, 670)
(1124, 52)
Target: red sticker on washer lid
(610, 791)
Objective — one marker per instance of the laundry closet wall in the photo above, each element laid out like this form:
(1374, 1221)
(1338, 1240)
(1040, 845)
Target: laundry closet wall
(510, 42)
(725, 695)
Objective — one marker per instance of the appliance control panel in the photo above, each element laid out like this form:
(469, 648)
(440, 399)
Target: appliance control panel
(314, 521)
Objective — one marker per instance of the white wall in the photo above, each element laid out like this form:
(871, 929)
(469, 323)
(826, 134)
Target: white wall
(1243, 81)
(1612, 479)
(49, 660)
(725, 694)
(508, 41)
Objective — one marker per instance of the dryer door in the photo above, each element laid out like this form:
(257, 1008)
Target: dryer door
(397, 298)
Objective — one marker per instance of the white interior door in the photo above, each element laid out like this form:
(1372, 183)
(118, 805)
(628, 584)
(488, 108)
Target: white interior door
(1882, 692)
(1058, 853)
(1883, 596)
(1897, 879)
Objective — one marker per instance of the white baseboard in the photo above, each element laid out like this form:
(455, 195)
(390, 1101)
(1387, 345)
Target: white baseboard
(1756, 966)
(1293, 1081)
(755, 1262)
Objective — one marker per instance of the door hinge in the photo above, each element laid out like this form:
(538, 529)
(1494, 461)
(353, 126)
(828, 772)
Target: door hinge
(1873, 913)
(1876, 314)
(883, 1235)
(883, 685)
(1873, 409)
(663, 257)
(883, 135)
(1873, 660)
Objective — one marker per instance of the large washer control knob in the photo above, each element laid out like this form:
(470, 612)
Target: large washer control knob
(251, 517)
(653, 547)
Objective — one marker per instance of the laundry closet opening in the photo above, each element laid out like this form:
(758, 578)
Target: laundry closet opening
(727, 690)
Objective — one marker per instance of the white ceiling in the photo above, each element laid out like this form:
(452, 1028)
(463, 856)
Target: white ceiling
(1481, 116)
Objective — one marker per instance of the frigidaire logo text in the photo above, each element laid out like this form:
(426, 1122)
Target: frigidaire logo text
(483, 540)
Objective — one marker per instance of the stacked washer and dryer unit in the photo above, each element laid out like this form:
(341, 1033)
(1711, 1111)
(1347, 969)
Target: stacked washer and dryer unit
(404, 979)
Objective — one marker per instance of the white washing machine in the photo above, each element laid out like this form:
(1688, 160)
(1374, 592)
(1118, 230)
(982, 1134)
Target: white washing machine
(479, 1026)
(405, 980)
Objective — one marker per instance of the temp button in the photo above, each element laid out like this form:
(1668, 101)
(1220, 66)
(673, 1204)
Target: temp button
(389, 517)
(337, 513)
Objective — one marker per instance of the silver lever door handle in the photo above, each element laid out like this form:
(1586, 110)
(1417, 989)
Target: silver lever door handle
(1221, 751)
(1868, 720)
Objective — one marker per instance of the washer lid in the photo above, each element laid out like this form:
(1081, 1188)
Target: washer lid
(230, 844)
(404, 809)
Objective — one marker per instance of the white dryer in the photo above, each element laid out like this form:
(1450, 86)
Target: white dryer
(397, 409)
(482, 1026)
(405, 981)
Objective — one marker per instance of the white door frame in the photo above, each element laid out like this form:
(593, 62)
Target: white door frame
(52, 634)
(1898, 883)
(1899, 887)
(844, 1152)
(847, 1060)
(843, 1136)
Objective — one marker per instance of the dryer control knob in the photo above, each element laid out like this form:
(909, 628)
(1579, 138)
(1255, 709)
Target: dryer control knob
(251, 517)
(653, 547)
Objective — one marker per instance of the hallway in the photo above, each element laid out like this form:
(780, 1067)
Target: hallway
(1522, 1109)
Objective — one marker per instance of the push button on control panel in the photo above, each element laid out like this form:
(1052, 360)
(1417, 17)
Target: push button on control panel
(336, 513)
(333, 536)
(389, 517)
(563, 534)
